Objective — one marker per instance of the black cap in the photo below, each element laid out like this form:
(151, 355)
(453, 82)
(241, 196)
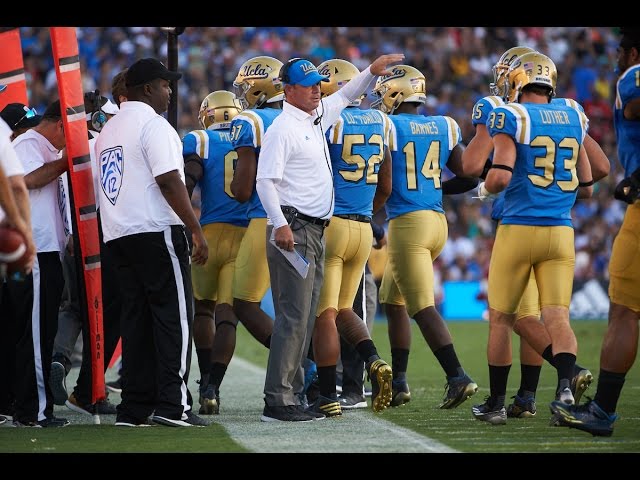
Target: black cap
(53, 111)
(147, 69)
(15, 114)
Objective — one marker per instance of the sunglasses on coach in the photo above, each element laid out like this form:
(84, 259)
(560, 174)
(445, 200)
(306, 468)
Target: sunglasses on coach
(28, 113)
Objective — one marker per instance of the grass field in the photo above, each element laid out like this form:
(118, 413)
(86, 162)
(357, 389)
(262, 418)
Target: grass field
(418, 426)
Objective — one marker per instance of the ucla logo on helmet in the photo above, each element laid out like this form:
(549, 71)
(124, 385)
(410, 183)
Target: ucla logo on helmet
(111, 169)
(397, 72)
(256, 71)
(325, 70)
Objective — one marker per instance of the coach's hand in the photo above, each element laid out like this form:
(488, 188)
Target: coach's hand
(381, 64)
(283, 237)
(200, 252)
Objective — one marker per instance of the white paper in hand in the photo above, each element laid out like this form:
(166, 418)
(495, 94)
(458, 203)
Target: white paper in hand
(298, 261)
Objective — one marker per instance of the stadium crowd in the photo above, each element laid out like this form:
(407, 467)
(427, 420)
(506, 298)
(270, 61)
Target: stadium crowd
(457, 64)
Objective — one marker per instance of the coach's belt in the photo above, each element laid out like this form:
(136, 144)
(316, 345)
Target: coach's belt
(294, 211)
(355, 217)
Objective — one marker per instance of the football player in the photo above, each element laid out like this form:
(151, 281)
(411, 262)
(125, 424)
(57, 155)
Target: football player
(421, 146)
(209, 163)
(535, 343)
(361, 165)
(620, 344)
(540, 160)
(261, 93)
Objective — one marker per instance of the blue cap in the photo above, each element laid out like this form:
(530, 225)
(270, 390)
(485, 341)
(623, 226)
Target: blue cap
(304, 73)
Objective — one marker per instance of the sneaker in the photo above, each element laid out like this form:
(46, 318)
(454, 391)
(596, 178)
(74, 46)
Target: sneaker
(588, 418)
(522, 407)
(189, 419)
(400, 393)
(115, 386)
(457, 390)
(489, 412)
(284, 413)
(124, 420)
(101, 407)
(580, 382)
(310, 412)
(58, 383)
(565, 396)
(49, 422)
(381, 376)
(352, 400)
(209, 400)
(4, 419)
(329, 407)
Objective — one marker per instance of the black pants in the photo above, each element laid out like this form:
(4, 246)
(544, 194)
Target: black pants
(154, 273)
(31, 304)
(111, 308)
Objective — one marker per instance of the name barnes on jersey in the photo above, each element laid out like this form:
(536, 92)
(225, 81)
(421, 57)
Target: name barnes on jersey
(429, 128)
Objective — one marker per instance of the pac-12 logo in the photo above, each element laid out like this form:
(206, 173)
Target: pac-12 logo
(111, 169)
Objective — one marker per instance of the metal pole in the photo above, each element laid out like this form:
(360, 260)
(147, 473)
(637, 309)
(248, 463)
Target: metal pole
(172, 64)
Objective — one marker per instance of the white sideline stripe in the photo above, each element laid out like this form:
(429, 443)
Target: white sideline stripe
(361, 431)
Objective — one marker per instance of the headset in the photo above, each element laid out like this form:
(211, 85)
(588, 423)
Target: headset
(98, 117)
(284, 70)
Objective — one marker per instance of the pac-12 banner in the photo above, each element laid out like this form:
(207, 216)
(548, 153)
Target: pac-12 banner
(67, 64)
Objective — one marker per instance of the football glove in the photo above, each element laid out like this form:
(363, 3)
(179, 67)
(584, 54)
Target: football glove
(628, 190)
(484, 194)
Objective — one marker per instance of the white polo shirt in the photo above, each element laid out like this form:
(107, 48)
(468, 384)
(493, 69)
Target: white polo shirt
(133, 148)
(9, 162)
(295, 156)
(48, 204)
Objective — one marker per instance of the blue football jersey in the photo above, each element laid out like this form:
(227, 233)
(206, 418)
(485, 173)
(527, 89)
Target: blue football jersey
(544, 184)
(481, 111)
(420, 148)
(627, 131)
(569, 102)
(356, 146)
(483, 108)
(219, 160)
(247, 130)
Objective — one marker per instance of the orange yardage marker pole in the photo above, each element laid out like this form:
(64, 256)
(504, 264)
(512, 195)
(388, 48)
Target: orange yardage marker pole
(12, 68)
(67, 63)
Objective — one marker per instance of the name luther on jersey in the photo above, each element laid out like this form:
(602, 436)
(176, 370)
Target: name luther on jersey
(111, 168)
